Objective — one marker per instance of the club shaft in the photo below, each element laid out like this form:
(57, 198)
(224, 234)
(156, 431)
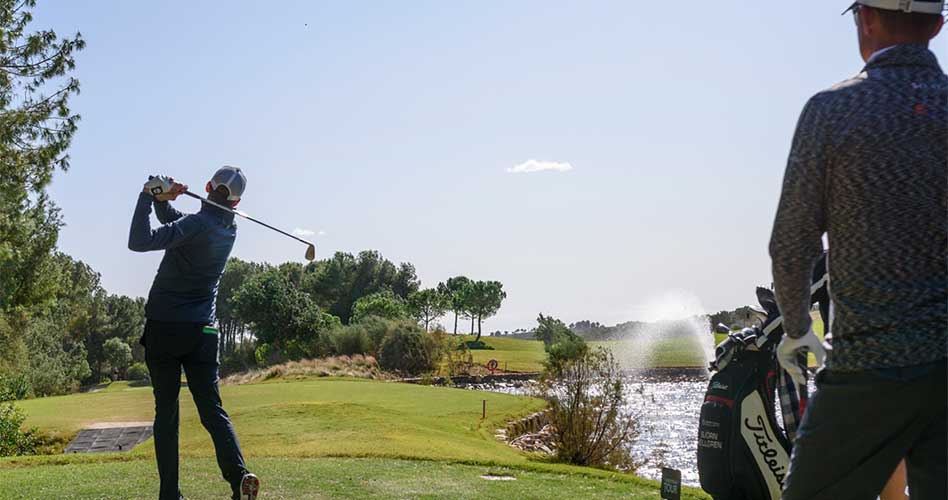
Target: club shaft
(244, 215)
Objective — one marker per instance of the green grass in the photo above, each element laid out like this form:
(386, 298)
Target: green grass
(303, 437)
(320, 417)
(517, 355)
(528, 355)
(676, 352)
(327, 478)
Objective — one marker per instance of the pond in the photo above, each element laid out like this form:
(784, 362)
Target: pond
(668, 405)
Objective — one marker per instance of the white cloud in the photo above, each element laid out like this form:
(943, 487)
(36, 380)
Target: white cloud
(530, 166)
(303, 232)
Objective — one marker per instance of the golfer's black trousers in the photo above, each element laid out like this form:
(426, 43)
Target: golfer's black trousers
(860, 425)
(169, 348)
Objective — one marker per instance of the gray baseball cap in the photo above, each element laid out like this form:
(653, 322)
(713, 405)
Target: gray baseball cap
(916, 6)
(232, 178)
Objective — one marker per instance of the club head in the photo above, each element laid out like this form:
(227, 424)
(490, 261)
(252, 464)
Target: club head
(311, 253)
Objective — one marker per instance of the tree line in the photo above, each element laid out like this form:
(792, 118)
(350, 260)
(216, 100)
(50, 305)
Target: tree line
(281, 311)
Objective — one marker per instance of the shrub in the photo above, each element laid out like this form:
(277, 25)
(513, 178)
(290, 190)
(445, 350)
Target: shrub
(243, 358)
(139, 373)
(405, 350)
(475, 345)
(13, 387)
(266, 355)
(439, 345)
(586, 400)
(377, 329)
(13, 441)
(563, 352)
(349, 340)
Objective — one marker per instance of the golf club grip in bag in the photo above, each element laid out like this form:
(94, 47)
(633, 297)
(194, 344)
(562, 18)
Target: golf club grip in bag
(742, 452)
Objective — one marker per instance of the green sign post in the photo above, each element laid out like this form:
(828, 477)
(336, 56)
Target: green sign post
(671, 484)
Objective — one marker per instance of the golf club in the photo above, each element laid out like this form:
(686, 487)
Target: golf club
(310, 248)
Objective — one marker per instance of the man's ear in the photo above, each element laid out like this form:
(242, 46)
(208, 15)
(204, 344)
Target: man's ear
(941, 23)
(208, 187)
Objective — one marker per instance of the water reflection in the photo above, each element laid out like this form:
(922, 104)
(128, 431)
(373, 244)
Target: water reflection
(668, 407)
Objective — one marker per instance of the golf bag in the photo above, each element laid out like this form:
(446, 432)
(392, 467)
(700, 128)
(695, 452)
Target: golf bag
(743, 452)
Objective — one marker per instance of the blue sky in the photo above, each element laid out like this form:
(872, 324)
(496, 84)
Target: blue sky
(394, 126)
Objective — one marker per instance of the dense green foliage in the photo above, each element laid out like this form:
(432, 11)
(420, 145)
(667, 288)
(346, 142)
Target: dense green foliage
(119, 355)
(138, 372)
(560, 343)
(453, 290)
(428, 305)
(482, 300)
(383, 304)
(337, 283)
(13, 440)
(407, 351)
(291, 311)
(278, 311)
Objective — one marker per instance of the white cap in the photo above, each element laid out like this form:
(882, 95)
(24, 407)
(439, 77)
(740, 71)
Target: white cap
(231, 178)
(916, 6)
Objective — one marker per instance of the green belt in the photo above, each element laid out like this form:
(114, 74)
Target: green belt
(210, 330)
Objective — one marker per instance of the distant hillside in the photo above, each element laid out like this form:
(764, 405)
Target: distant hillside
(594, 331)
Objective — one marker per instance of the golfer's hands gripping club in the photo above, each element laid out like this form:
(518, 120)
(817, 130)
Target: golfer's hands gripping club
(788, 349)
(164, 188)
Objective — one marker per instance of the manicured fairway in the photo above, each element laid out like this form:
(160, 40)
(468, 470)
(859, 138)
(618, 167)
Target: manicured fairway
(528, 355)
(517, 355)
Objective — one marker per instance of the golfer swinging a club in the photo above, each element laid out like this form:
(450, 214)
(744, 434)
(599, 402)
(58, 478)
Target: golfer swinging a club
(868, 168)
(179, 331)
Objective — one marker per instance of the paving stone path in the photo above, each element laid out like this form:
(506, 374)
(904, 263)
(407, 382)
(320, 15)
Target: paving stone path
(110, 437)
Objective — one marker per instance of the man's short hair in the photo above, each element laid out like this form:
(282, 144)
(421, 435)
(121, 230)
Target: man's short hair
(220, 195)
(908, 23)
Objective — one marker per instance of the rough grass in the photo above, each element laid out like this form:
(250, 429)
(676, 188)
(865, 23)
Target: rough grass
(356, 366)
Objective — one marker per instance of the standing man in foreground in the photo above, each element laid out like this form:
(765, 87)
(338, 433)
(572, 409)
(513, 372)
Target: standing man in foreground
(179, 331)
(869, 168)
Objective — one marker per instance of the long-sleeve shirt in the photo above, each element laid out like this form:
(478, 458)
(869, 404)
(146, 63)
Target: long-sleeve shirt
(196, 247)
(869, 167)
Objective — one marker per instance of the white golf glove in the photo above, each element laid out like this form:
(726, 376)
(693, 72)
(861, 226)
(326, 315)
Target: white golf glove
(788, 349)
(159, 184)
(164, 188)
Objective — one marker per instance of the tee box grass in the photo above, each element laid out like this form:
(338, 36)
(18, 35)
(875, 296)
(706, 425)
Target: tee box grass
(317, 438)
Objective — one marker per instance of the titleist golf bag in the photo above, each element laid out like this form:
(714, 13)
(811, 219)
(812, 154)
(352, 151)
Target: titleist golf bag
(743, 452)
